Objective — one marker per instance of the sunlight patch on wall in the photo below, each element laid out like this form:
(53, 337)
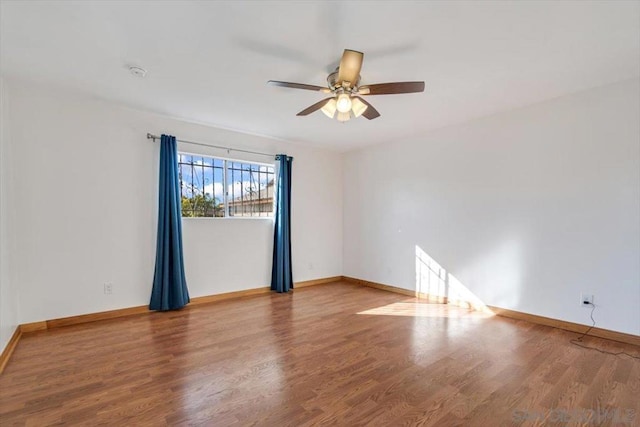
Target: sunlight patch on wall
(433, 282)
(460, 295)
(431, 278)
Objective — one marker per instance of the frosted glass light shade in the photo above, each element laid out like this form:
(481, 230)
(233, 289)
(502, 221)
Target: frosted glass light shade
(358, 107)
(329, 108)
(344, 103)
(343, 117)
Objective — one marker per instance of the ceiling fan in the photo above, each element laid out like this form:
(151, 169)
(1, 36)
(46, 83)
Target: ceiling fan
(345, 101)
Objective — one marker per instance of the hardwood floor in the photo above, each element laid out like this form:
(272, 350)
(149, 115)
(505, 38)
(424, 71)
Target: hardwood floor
(335, 354)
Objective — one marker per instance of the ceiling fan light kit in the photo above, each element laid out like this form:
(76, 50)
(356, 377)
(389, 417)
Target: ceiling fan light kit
(330, 108)
(343, 117)
(343, 103)
(343, 84)
(358, 107)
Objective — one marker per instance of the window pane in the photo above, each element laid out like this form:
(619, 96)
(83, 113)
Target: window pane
(200, 186)
(249, 190)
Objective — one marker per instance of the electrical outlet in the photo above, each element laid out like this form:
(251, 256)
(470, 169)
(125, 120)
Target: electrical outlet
(586, 300)
(108, 288)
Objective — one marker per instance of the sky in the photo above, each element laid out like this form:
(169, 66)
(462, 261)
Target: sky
(206, 174)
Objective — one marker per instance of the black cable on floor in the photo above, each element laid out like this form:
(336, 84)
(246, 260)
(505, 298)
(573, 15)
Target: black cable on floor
(578, 341)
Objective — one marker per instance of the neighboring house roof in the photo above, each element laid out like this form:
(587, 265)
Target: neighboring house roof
(261, 196)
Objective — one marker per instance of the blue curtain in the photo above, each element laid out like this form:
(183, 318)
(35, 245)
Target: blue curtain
(281, 276)
(169, 283)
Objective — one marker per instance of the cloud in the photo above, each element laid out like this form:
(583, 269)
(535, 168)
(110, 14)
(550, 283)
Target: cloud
(215, 189)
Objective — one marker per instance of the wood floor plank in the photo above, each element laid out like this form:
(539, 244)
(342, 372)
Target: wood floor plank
(331, 354)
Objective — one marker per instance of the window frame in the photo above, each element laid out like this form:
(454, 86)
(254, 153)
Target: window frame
(274, 165)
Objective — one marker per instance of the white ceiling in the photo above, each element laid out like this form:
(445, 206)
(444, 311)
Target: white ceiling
(209, 61)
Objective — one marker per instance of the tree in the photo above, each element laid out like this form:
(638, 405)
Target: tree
(200, 205)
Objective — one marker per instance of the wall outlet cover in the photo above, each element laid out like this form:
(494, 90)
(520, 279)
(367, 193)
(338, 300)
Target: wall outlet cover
(586, 299)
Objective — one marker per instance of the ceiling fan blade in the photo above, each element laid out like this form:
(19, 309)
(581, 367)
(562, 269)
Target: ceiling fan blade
(391, 88)
(370, 113)
(314, 107)
(350, 65)
(299, 86)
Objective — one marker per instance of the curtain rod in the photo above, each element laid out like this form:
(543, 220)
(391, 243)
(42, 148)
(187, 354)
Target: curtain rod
(154, 137)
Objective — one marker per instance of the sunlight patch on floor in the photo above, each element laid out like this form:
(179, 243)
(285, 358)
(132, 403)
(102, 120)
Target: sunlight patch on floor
(417, 309)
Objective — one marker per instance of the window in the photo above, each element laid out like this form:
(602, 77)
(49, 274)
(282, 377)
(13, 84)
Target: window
(213, 187)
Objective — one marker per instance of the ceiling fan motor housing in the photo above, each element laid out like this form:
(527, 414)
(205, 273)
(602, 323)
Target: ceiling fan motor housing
(332, 81)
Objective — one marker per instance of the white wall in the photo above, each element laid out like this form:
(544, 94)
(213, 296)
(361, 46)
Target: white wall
(85, 190)
(527, 209)
(8, 293)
